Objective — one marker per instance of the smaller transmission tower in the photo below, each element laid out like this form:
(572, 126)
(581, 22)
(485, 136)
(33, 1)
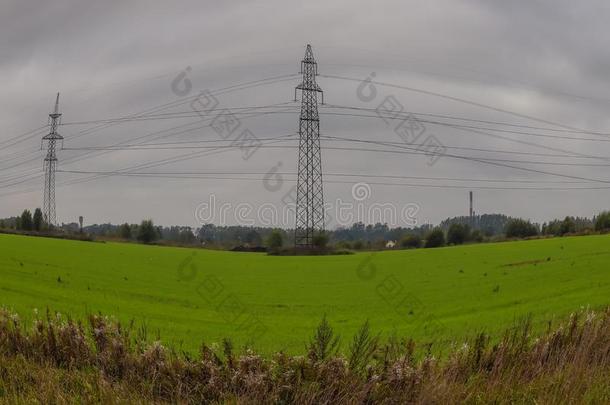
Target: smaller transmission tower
(50, 165)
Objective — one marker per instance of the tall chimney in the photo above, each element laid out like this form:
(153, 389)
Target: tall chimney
(471, 212)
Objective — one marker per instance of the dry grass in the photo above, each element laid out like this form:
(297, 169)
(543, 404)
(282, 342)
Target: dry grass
(60, 361)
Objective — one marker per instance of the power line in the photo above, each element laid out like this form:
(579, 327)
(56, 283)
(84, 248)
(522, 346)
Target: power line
(172, 115)
(175, 103)
(166, 161)
(240, 86)
(406, 149)
(400, 150)
(166, 145)
(450, 147)
(495, 150)
(452, 125)
(396, 116)
(520, 85)
(457, 99)
(357, 175)
(160, 134)
(132, 146)
(36, 159)
(24, 180)
(453, 117)
(144, 147)
(22, 137)
(390, 116)
(209, 177)
(533, 144)
(484, 161)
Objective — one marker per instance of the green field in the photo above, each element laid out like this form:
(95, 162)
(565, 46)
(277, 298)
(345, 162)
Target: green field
(273, 303)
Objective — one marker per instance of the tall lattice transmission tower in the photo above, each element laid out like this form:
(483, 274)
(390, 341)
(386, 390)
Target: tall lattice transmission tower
(50, 165)
(310, 196)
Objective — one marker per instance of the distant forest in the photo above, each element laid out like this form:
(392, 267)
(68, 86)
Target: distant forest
(358, 236)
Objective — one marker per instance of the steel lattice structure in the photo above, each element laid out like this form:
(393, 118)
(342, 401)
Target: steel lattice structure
(310, 195)
(50, 165)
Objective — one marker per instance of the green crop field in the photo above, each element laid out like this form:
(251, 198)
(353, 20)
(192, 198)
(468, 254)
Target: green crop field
(274, 303)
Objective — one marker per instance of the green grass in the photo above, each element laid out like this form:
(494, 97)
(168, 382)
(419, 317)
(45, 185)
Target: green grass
(448, 293)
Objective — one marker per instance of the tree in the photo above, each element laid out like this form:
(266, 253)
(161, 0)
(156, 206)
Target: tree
(552, 228)
(567, 226)
(125, 231)
(324, 343)
(275, 239)
(26, 222)
(489, 224)
(436, 238)
(37, 220)
(458, 234)
(253, 238)
(476, 236)
(187, 236)
(147, 232)
(520, 228)
(602, 222)
(320, 240)
(411, 241)
(343, 244)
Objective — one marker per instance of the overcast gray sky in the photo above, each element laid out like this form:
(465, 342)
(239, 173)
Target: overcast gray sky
(493, 62)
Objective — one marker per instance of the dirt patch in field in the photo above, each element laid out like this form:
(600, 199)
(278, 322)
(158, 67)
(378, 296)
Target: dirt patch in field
(526, 262)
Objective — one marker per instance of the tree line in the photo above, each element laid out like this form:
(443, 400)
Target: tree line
(359, 236)
(26, 221)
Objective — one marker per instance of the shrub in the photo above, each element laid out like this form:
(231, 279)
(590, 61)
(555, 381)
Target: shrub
(125, 231)
(275, 239)
(411, 241)
(358, 245)
(458, 234)
(436, 238)
(147, 232)
(520, 228)
(567, 226)
(476, 236)
(602, 222)
(320, 240)
(344, 245)
(552, 228)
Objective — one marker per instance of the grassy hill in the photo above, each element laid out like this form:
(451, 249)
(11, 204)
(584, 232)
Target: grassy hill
(274, 303)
